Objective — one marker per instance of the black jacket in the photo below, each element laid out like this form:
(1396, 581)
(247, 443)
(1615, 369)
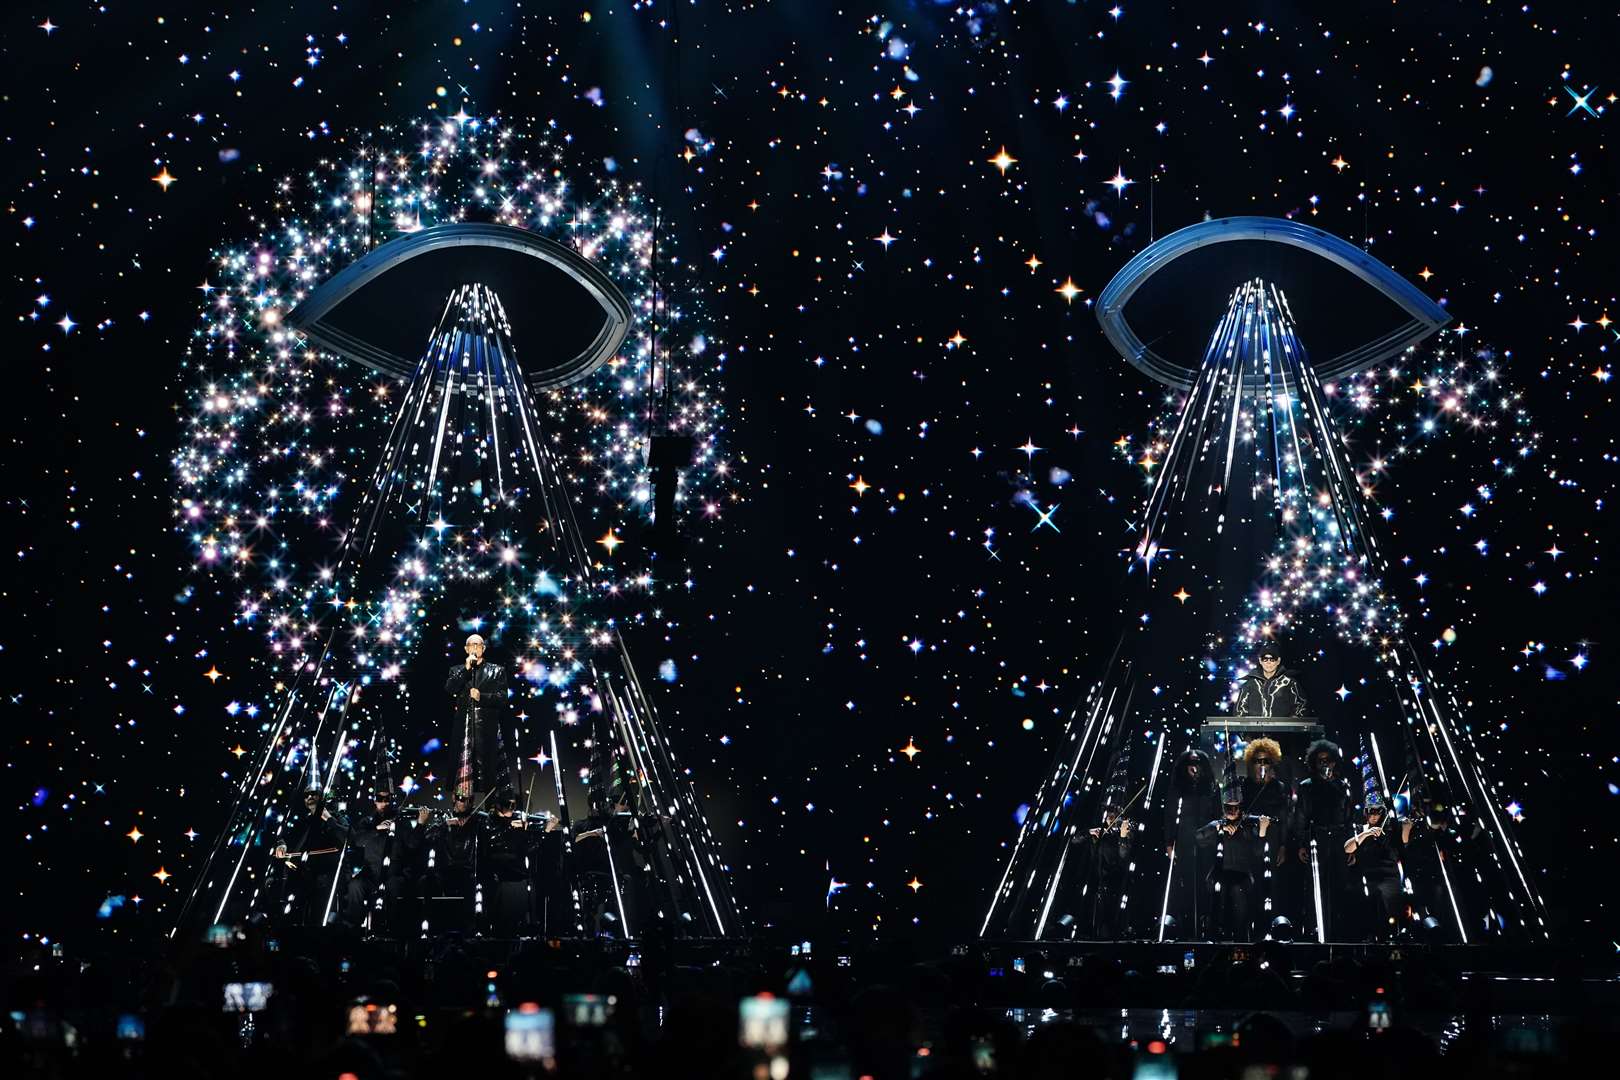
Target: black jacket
(373, 845)
(1377, 856)
(1240, 853)
(1189, 804)
(489, 678)
(315, 833)
(1280, 696)
(1106, 856)
(1186, 811)
(1323, 810)
(455, 845)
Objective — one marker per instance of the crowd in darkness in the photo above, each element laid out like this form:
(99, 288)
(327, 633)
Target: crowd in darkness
(875, 1014)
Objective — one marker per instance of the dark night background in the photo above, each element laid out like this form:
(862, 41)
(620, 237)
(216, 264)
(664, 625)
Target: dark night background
(795, 642)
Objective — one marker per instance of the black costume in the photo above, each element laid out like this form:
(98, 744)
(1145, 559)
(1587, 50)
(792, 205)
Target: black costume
(1377, 857)
(610, 869)
(1239, 858)
(485, 762)
(306, 877)
(1322, 814)
(1280, 696)
(507, 864)
(382, 849)
(1265, 794)
(452, 846)
(1105, 859)
(1263, 791)
(1433, 855)
(1192, 802)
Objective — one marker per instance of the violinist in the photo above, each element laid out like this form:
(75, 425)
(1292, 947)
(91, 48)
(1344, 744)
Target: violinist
(451, 842)
(309, 860)
(510, 842)
(1239, 841)
(382, 849)
(1375, 851)
(1106, 850)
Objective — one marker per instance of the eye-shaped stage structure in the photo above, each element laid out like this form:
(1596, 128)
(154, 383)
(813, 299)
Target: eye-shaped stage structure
(380, 310)
(1338, 313)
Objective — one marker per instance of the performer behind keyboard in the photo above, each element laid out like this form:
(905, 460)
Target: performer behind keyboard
(1273, 691)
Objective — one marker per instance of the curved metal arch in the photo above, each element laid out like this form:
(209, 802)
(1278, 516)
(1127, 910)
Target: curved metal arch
(1426, 316)
(308, 316)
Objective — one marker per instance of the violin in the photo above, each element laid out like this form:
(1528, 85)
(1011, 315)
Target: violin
(1120, 827)
(292, 858)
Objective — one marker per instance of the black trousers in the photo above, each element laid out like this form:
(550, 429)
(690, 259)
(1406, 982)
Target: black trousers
(1105, 913)
(1190, 891)
(1389, 905)
(1330, 865)
(1233, 920)
(382, 895)
(460, 914)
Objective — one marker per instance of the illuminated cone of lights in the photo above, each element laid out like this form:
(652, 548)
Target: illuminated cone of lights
(466, 499)
(1254, 499)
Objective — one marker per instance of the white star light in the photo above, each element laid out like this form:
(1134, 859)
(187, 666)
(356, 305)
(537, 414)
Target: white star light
(1119, 182)
(67, 324)
(1118, 83)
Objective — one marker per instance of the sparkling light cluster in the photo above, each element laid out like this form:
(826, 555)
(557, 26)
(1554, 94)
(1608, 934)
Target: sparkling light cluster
(282, 437)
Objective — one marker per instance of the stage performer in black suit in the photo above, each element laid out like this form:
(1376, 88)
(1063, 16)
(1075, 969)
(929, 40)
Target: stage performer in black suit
(1375, 851)
(479, 689)
(1239, 843)
(1322, 816)
(1106, 856)
(308, 862)
(1194, 800)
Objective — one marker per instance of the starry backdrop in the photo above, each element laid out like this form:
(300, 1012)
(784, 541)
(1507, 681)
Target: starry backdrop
(890, 221)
